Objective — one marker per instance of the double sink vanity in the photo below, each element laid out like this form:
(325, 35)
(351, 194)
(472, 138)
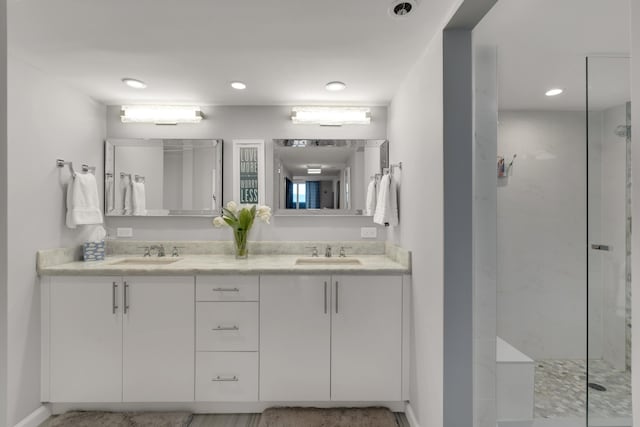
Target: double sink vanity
(206, 332)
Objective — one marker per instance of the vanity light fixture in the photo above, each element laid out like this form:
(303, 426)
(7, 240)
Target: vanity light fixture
(134, 83)
(335, 86)
(314, 171)
(554, 92)
(331, 116)
(160, 114)
(238, 85)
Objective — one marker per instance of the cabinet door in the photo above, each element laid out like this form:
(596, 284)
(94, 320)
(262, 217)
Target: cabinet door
(159, 330)
(86, 339)
(295, 324)
(366, 338)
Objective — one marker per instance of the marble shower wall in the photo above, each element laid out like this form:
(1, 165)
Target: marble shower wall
(541, 234)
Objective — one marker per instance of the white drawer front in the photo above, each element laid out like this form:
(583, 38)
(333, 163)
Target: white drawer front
(227, 288)
(226, 377)
(227, 326)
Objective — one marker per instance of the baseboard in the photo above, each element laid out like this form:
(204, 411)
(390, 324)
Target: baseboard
(35, 418)
(411, 417)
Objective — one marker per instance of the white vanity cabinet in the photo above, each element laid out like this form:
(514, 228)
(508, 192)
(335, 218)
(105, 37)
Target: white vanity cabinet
(84, 333)
(114, 339)
(333, 338)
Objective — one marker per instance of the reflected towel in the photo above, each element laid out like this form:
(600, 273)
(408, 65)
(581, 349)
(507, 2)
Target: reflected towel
(138, 198)
(127, 203)
(108, 194)
(83, 203)
(370, 205)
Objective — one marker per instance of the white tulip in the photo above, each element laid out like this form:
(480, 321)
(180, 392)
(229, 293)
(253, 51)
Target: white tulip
(219, 221)
(232, 206)
(264, 213)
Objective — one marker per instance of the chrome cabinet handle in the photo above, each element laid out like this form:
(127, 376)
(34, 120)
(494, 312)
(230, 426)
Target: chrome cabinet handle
(226, 328)
(337, 295)
(601, 247)
(126, 299)
(113, 296)
(225, 290)
(219, 378)
(325, 297)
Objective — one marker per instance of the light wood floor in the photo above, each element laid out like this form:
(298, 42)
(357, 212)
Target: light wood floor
(242, 420)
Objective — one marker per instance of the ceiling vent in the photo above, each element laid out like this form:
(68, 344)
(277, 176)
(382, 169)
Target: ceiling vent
(402, 8)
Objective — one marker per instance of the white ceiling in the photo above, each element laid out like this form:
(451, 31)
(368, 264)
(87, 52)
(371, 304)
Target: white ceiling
(543, 44)
(188, 51)
(330, 159)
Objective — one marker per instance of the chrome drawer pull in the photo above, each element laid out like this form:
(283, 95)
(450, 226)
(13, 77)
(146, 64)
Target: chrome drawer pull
(219, 378)
(226, 328)
(225, 290)
(114, 304)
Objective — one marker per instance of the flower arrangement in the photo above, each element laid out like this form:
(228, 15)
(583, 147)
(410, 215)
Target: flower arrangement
(240, 219)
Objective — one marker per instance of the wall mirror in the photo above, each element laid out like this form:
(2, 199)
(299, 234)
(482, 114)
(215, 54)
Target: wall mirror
(325, 177)
(163, 177)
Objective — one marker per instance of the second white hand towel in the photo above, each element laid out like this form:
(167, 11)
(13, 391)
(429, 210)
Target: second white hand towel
(127, 204)
(380, 216)
(85, 203)
(139, 198)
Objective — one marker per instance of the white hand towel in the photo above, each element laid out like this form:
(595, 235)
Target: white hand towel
(127, 203)
(85, 204)
(387, 203)
(139, 198)
(370, 205)
(69, 219)
(380, 215)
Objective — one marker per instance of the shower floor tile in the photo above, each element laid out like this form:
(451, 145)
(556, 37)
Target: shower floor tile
(560, 389)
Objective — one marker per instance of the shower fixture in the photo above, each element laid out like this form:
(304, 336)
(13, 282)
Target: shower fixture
(623, 131)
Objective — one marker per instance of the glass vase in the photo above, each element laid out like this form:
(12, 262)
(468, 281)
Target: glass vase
(240, 244)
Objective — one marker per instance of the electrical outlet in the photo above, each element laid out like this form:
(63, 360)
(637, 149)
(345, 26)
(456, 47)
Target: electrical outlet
(124, 232)
(368, 232)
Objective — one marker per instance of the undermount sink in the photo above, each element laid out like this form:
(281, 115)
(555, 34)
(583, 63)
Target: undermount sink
(146, 261)
(328, 261)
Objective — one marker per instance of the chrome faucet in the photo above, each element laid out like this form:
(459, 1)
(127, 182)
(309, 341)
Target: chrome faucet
(160, 249)
(147, 251)
(343, 253)
(174, 252)
(327, 252)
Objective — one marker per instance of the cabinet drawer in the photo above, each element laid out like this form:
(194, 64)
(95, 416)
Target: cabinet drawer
(226, 377)
(227, 288)
(227, 326)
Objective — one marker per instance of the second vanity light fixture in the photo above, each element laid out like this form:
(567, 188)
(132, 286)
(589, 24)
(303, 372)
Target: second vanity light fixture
(160, 114)
(331, 116)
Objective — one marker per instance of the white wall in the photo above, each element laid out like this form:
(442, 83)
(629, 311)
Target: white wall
(46, 120)
(3, 213)
(415, 135)
(249, 122)
(541, 234)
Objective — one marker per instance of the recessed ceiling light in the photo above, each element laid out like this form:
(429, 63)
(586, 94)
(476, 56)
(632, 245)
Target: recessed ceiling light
(314, 171)
(402, 8)
(335, 86)
(554, 92)
(134, 83)
(238, 85)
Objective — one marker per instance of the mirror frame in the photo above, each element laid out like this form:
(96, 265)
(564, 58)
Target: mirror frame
(109, 168)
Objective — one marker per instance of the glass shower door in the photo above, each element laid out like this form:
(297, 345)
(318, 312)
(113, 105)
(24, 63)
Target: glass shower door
(608, 374)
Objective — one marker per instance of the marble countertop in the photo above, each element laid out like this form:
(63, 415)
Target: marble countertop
(190, 265)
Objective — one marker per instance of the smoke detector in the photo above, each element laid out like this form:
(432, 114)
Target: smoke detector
(402, 8)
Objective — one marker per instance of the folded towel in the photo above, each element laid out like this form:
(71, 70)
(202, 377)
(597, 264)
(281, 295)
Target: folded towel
(69, 218)
(127, 202)
(370, 205)
(138, 198)
(387, 203)
(83, 205)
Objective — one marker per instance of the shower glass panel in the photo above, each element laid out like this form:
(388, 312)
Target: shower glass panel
(608, 381)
